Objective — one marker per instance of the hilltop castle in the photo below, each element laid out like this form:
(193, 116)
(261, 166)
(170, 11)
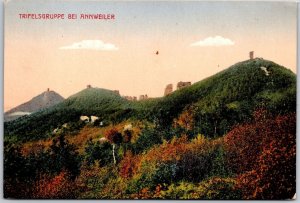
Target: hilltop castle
(130, 98)
(180, 85)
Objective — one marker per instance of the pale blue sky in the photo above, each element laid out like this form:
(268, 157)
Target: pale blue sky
(33, 47)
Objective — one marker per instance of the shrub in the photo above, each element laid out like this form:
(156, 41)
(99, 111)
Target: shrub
(215, 188)
(185, 119)
(127, 136)
(59, 187)
(64, 156)
(198, 161)
(129, 165)
(148, 138)
(182, 190)
(263, 153)
(96, 151)
(245, 142)
(14, 183)
(114, 136)
(93, 179)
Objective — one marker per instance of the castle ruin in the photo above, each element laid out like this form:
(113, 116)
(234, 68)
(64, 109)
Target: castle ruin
(130, 98)
(168, 89)
(117, 92)
(181, 84)
(143, 97)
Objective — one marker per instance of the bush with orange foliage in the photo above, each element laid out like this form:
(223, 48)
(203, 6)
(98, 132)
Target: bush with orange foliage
(178, 160)
(245, 142)
(58, 187)
(264, 154)
(168, 151)
(113, 136)
(186, 119)
(129, 165)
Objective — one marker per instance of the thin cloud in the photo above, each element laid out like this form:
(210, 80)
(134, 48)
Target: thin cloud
(213, 41)
(97, 45)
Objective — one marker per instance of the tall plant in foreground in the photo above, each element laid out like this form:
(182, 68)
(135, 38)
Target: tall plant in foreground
(115, 138)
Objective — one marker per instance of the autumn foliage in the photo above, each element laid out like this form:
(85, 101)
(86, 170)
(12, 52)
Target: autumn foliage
(114, 136)
(127, 135)
(263, 153)
(255, 160)
(129, 165)
(185, 120)
(58, 187)
(168, 151)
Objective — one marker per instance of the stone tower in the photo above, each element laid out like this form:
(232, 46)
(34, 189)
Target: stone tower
(251, 55)
(117, 92)
(168, 89)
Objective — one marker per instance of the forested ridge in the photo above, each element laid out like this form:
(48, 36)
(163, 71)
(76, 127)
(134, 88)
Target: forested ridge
(229, 136)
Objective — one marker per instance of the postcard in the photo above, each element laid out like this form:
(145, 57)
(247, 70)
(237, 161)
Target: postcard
(126, 100)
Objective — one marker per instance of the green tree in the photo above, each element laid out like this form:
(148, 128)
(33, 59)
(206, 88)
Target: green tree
(64, 156)
(96, 151)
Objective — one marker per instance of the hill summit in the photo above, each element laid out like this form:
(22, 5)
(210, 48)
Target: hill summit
(93, 99)
(41, 101)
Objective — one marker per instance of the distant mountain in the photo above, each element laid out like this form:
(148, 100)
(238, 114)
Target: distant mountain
(42, 101)
(90, 101)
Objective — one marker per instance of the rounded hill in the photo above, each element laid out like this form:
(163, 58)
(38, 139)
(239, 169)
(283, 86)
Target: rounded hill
(94, 100)
(230, 96)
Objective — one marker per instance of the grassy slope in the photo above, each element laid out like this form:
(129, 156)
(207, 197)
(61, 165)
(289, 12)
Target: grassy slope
(244, 81)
